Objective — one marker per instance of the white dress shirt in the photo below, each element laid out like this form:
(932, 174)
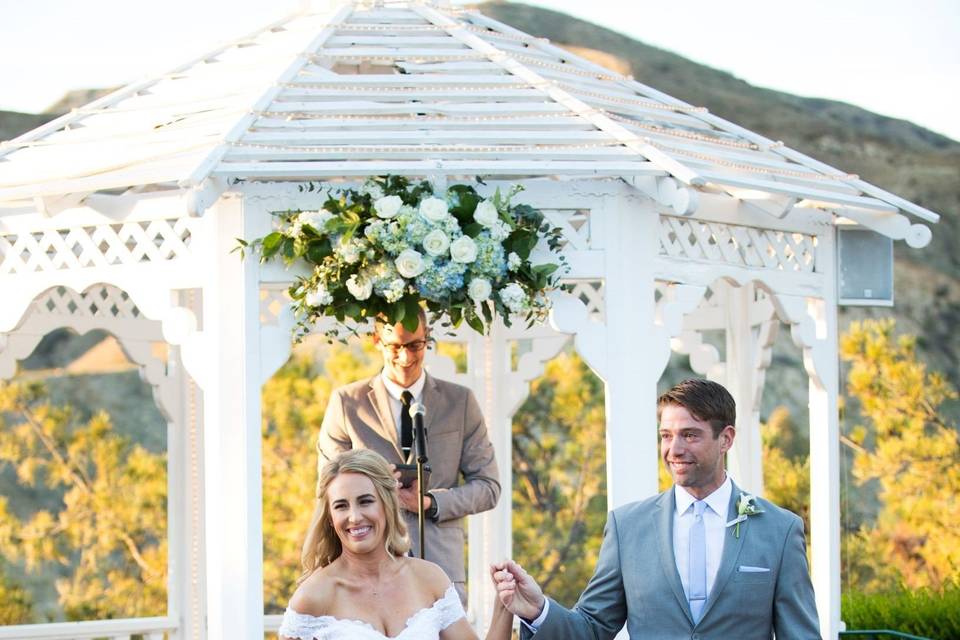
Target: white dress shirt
(395, 391)
(714, 522)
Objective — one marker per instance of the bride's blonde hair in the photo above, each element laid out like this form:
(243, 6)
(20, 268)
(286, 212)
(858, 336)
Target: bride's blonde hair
(322, 545)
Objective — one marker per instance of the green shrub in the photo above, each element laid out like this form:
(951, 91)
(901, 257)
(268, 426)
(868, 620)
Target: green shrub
(923, 612)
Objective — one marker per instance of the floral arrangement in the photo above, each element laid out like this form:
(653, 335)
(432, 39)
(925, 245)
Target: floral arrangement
(387, 248)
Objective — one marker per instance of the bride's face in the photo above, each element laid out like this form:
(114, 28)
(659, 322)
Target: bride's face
(357, 513)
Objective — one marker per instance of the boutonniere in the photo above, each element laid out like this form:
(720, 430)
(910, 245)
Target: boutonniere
(746, 506)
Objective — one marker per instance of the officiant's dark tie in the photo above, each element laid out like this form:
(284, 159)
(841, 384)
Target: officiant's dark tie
(406, 424)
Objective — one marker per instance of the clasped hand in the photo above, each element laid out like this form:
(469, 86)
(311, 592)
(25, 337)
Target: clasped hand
(517, 591)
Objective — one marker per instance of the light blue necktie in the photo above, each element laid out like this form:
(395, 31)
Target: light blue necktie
(698, 562)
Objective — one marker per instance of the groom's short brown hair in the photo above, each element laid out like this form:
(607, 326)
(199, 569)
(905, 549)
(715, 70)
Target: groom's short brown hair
(705, 400)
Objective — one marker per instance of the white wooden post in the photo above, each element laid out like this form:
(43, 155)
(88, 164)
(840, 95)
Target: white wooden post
(748, 355)
(635, 353)
(231, 439)
(814, 329)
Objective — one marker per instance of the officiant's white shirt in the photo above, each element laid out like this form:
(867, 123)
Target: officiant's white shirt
(395, 391)
(714, 523)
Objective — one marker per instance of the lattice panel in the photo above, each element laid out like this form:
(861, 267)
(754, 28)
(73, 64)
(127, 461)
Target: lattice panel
(96, 246)
(575, 224)
(591, 294)
(737, 245)
(273, 298)
(102, 301)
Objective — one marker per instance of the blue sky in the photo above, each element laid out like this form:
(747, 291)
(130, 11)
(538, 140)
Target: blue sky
(890, 56)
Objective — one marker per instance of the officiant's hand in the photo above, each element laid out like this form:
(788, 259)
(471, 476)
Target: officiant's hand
(410, 496)
(517, 591)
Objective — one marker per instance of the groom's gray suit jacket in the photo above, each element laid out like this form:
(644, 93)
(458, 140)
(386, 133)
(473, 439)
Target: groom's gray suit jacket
(636, 581)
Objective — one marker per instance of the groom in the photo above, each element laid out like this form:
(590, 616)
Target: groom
(677, 565)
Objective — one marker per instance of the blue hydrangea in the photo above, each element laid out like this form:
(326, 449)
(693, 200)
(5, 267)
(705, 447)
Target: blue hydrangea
(387, 235)
(417, 230)
(440, 278)
(491, 262)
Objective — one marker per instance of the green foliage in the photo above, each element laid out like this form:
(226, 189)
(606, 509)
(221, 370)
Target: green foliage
(293, 403)
(109, 534)
(914, 457)
(923, 612)
(559, 492)
(387, 249)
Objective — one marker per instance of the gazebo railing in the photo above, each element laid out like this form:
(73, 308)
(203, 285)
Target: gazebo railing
(160, 628)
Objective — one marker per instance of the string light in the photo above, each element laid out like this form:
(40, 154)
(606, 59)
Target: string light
(679, 133)
(305, 115)
(754, 168)
(402, 89)
(417, 148)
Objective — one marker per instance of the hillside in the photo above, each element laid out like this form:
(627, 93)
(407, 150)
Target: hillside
(906, 159)
(899, 156)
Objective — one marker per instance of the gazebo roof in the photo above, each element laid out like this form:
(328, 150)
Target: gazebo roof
(411, 89)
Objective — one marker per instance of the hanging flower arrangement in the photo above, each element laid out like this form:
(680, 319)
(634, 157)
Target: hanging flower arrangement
(393, 245)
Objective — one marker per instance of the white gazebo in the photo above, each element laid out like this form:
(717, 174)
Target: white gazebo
(122, 215)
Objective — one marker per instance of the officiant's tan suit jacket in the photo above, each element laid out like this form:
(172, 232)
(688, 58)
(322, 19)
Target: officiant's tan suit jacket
(464, 478)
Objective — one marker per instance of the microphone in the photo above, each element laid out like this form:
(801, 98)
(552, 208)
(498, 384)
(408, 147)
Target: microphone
(417, 411)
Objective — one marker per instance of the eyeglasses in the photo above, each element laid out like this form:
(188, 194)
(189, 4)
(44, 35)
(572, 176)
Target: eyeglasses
(416, 346)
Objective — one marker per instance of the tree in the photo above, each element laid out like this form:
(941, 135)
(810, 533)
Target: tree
(559, 490)
(16, 605)
(911, 453)
(786, 470)
(109, 535)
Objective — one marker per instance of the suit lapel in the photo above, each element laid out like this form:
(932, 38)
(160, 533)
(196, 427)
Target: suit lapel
(432, 401)
(386, 426)
(666, 505)
(731, 551)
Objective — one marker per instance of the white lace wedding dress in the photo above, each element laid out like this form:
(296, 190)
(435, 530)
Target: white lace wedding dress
(425, 624)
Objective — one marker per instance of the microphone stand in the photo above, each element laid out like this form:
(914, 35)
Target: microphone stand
(417, 412)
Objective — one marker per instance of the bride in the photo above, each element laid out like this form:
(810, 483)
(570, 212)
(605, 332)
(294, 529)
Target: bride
(358, 584)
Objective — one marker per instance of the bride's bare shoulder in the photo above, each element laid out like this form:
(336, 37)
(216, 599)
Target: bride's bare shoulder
(315, 594)
(429, 575)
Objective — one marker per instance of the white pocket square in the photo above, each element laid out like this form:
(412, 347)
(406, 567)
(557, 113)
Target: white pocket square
(748, 569)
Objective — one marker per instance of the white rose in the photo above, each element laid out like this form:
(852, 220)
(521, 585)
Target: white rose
(479, 289)
(436, 242)
(318, 297)
(409, 263)
(388, 207)
(463, 249)
(316, 219)
(359, 287)
(486, 213)
(433, 209)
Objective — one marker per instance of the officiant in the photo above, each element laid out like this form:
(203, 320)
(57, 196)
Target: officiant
(374, 414)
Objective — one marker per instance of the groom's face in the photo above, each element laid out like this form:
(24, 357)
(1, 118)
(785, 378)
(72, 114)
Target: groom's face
(693, 455)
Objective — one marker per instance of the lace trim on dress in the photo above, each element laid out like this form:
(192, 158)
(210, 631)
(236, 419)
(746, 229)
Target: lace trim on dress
(431, 620)
(449, 607)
